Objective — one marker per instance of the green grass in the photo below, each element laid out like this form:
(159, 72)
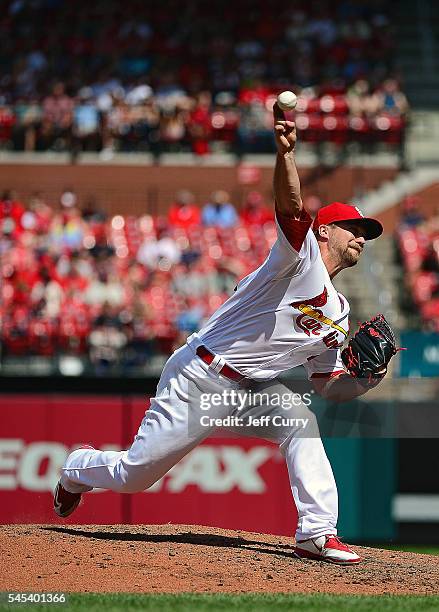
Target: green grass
(187, 602)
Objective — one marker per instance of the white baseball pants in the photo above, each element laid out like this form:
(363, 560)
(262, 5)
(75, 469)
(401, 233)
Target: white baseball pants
(172, 427)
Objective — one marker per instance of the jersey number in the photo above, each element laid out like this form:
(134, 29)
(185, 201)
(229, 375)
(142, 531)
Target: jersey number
(331, 340)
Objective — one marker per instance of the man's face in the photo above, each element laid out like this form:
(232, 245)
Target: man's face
(345, 242)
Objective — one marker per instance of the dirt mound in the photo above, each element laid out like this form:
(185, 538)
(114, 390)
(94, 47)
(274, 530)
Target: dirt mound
(176, 558)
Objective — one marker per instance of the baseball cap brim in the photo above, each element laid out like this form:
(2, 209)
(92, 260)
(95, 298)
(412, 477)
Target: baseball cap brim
(337, 212)
(372, 228)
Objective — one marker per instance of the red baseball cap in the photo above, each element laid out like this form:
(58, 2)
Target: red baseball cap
(337, 211)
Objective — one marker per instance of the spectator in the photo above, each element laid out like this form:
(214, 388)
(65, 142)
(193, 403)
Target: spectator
(411, 216)
(104, 288)
(106, 342)
(117, 125)
(254, 211)
(391, 100)
(255, 130)
(67, 228)
(7, 123)
(392, 116)
(362, 103)
(49, 293)
(194, 280)
(28, 115)
(190, 319)
(224, 121)
(184, 213)
(161, 252)
(173, 129)
(169, 93)
(322, 28)
(118, 57)
(43, 213)
(139, 94)
(419, 250)
(57, 117)
(219, 212)
(11, 208)
(199, 123)
(145, 126)
(86, 123)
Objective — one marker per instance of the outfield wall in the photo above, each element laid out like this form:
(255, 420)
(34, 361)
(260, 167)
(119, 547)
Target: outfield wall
(230, 482)
(138, 189)
(225, 482)
(387, 487)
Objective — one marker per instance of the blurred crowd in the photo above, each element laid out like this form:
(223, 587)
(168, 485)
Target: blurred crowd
(418, 241)
(194, 76)
(120, 290)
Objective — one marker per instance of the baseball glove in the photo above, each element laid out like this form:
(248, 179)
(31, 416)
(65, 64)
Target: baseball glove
(368, 353)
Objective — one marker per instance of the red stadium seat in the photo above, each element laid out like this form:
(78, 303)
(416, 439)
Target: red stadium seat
(423, 286)
(334, 105)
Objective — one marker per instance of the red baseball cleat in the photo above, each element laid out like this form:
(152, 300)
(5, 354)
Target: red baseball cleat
(64, 502)
(326, 548)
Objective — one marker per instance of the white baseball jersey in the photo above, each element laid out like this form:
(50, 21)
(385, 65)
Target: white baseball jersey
(284, 314)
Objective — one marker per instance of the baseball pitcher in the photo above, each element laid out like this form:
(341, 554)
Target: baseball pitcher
(285, 314)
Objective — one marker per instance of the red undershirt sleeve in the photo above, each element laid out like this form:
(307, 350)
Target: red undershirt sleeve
(295, 230)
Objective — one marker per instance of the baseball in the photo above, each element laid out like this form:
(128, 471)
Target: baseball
(287, 100)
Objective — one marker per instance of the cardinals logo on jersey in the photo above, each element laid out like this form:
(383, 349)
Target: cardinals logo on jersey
(312, 319)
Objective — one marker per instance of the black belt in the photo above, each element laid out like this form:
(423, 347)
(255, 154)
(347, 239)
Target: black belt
(227, 371)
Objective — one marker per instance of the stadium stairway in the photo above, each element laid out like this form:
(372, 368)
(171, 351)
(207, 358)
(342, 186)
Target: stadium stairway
(373, 286)
(390, 193)
(417, 33)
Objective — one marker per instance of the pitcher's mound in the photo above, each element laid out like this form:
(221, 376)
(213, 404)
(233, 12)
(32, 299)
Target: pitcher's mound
(176, 558)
